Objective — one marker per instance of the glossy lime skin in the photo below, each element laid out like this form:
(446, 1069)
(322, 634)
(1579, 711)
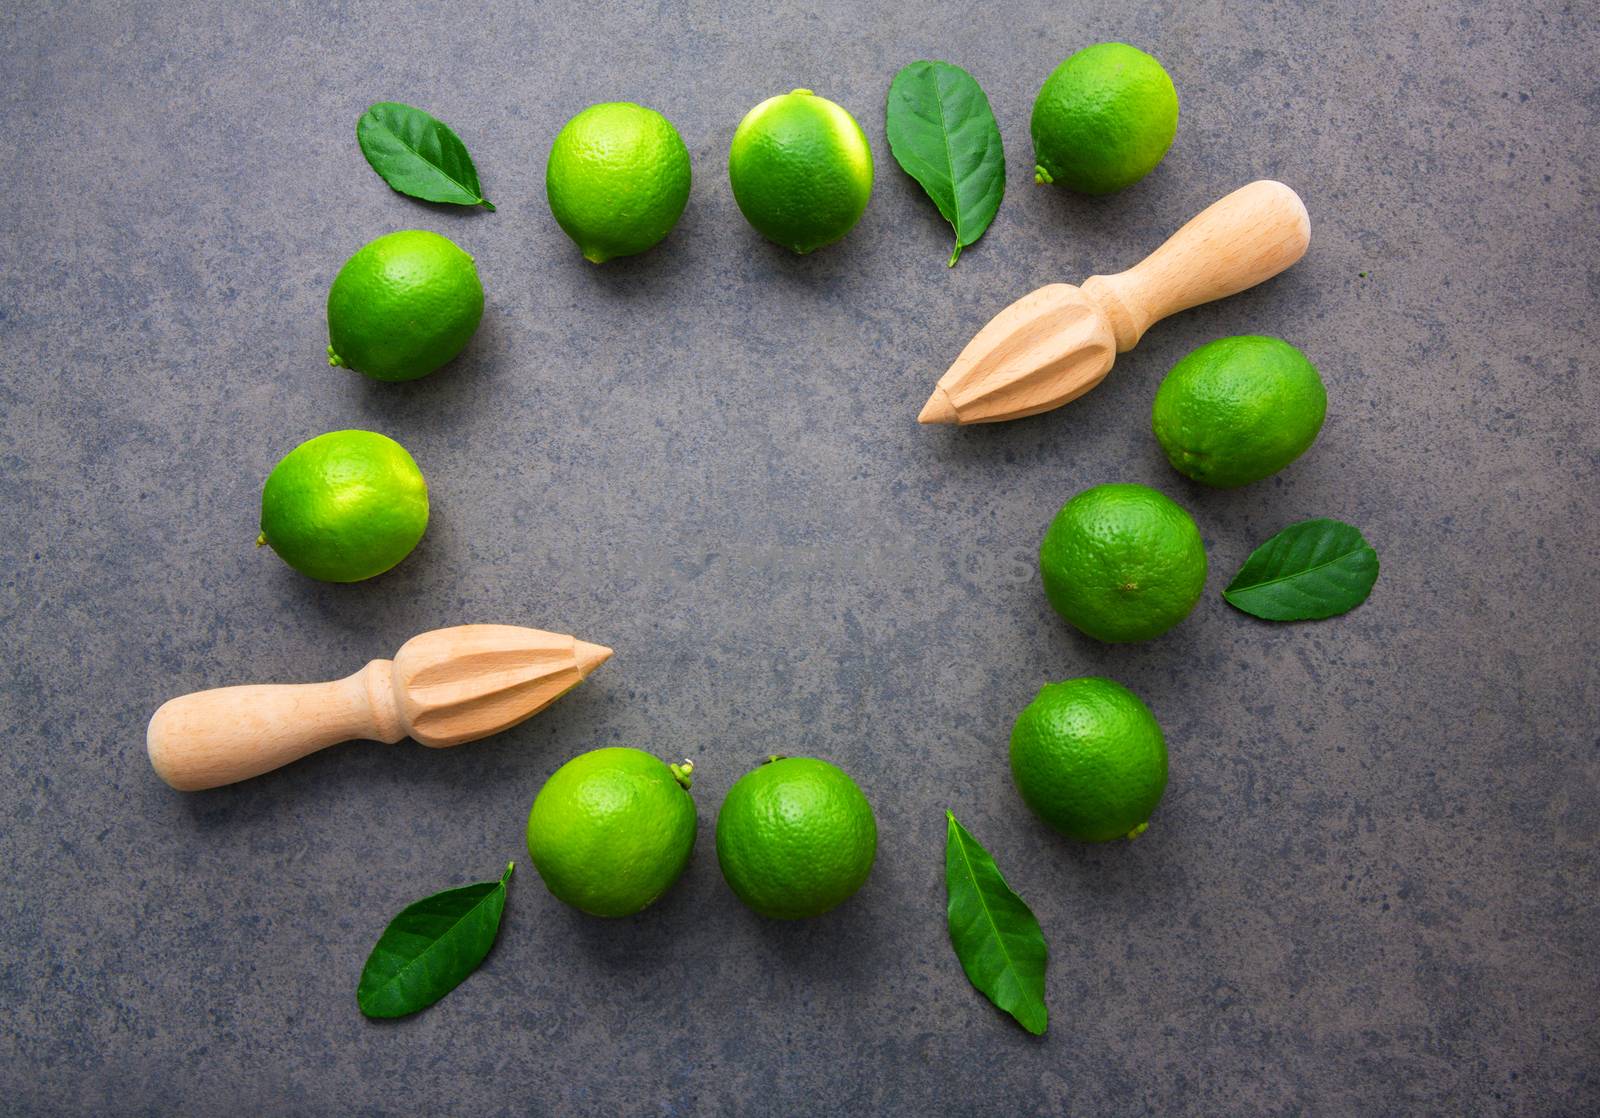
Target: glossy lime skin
(403, 305)
(611, 830)
(1123, 562)
(344, 506)
(801, 170)
(617, 179)
(1239, 409)
(795, 838)
(1089, 759)
(1103, 119)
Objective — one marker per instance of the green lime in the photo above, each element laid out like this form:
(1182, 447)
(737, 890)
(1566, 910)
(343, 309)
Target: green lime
(617, 179)
(344, 506)
(1103, 119)
(1089, 759)
(801, 170)
(795, 838)
(612, 829)
(1237, 410)
(1122, 562)
(403, 305)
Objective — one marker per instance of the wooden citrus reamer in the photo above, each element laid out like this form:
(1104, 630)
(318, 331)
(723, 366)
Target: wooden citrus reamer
(442, 688)
(1056, 343)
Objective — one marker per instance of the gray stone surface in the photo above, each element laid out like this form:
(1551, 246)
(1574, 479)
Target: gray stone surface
(1372, 886)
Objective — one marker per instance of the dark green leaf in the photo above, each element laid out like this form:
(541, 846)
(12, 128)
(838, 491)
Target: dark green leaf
(942, 131)
(418, 155)
(994, 933)
(428, 949)
(1310, 570)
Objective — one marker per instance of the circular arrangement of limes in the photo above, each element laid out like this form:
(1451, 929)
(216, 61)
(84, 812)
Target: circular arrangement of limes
(612, 829)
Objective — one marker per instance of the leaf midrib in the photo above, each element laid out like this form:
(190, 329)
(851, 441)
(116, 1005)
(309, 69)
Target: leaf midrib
(1300, 573)
(949, 162)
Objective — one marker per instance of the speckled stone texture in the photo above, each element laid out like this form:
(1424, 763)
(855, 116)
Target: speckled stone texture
(1372, 887)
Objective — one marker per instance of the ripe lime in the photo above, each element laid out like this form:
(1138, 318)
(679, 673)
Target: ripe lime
(795, 838)
(612, 829)
(1122, 562)
(1237, 410)
(1089, 759)
(617, 179)
(403, 305)
(1103, 119)
(344, 506)
(801, 170)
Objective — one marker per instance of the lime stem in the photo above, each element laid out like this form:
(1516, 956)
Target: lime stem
(683, 773)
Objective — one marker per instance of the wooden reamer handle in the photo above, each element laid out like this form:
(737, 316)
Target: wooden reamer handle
(216, 737)
(1236, 242)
